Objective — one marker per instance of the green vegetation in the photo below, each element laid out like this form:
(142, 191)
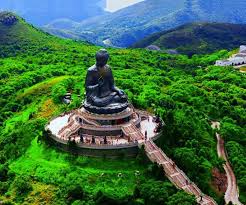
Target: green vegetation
(198, 38)
(36, 69)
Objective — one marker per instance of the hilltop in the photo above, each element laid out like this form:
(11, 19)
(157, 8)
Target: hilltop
(198, 38)
(37, 70)
(17, 36)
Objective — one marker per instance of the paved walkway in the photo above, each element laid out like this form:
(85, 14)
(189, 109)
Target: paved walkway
(148, 125)
(232, 194)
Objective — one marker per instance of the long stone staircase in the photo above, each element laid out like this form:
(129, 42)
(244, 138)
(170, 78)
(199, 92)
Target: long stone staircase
(133, 132)
(173, 173)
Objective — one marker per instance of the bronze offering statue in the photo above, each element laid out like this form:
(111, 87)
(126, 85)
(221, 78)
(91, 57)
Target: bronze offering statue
(102, 97)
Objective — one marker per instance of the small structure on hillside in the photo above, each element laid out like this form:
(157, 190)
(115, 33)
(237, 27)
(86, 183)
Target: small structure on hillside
(236, 60)
(172, 52)
(242, 49)
(153, 48)
(106, 124)
(67, 99)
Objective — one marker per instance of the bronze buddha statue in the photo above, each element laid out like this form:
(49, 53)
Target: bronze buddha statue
(102, 96)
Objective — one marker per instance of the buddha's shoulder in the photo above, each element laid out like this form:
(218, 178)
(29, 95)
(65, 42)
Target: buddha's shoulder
(108, 67)
(92, 69)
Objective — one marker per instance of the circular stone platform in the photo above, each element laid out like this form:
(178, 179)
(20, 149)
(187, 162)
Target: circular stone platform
(103, 134)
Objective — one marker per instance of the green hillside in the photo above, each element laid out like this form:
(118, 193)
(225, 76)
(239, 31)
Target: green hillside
(36, 69)
(198, 38)
(14, 32)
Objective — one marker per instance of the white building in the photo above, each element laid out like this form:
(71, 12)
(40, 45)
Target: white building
(235, 60)
(223, 63)
(242, 49)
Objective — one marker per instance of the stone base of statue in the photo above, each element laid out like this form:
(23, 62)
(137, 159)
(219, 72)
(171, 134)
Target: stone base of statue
(107, 135)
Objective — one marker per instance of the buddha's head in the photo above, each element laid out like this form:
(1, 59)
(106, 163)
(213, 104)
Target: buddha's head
(102, 57)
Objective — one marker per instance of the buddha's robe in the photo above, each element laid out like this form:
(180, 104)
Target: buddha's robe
(100, 88)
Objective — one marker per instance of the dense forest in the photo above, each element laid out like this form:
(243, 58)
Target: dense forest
(37, 69)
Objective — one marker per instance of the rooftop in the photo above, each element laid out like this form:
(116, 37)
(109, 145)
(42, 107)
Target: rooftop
(242, 55)
(223, 60)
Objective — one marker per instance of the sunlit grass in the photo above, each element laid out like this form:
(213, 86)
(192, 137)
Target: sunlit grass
(243, 69)
(53, 167)
(42, 87)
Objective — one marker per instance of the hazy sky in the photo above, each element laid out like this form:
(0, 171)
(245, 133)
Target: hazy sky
(114, 5)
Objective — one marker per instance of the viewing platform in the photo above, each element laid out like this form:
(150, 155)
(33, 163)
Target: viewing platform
(113, 134)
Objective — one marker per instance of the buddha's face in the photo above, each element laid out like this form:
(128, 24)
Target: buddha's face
(102, 57)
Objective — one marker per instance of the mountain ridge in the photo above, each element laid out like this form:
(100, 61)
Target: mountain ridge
(125, 25)
(198, 38)
(129, 25)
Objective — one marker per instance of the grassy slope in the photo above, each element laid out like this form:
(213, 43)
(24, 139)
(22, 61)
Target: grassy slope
(49, 166)
(198, 38)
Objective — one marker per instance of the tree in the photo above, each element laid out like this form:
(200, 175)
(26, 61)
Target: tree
(155, 192)
(75, 192)
(230, 131)
(22, 185)
(181, 198)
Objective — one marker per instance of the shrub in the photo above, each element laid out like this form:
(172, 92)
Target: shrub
(22, 185)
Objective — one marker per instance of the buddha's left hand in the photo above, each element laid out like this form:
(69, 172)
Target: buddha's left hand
(121, 93)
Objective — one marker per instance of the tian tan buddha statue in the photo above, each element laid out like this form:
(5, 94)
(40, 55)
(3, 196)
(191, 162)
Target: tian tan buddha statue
(102, 97)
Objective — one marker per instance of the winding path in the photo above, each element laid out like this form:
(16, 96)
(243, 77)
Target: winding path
(231, 194)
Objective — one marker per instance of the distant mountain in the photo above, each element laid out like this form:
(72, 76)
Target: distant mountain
(129, 25)
(63, 23)
(65, 28)
(198, 38)
(66, 33)
(43, 12)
